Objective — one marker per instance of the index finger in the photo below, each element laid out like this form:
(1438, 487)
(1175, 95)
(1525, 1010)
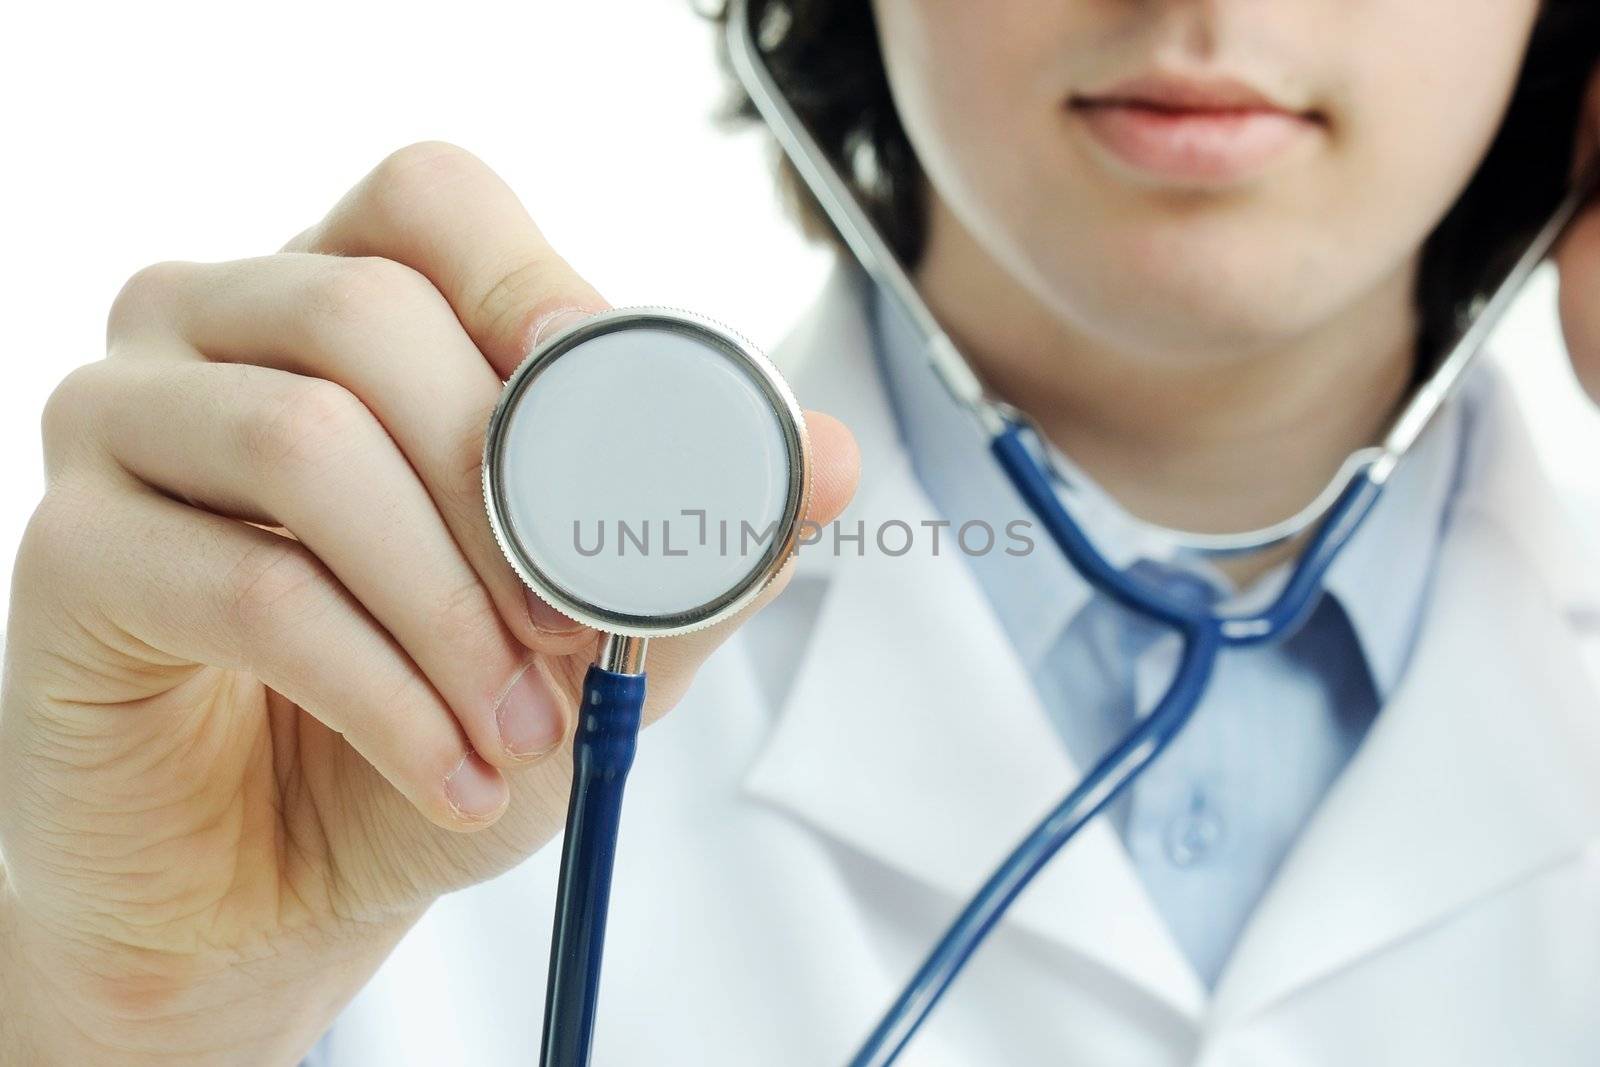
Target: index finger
(441, 211)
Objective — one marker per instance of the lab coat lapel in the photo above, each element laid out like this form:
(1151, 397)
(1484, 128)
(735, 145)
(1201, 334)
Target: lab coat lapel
(911, 732)
(1480, 771)
(1477, 774)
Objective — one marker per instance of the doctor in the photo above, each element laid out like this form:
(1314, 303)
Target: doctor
(281, 741)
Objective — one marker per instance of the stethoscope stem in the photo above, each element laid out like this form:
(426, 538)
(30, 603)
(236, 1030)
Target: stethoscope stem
(602, 754)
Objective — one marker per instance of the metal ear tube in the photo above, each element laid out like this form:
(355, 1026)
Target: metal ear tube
(652, 413)
(1048, 481)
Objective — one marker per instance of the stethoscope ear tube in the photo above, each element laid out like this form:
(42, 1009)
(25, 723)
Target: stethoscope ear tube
(614, 689)
(602, 754)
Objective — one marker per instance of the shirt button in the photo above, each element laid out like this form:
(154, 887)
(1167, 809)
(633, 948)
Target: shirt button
(1194, 835)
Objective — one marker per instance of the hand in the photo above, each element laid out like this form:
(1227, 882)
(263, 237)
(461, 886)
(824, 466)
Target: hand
(271, 687)
(1578, 259)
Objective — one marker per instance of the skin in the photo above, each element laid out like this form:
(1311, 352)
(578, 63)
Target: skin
(237, 762)
(1170, 336)
(226, 753)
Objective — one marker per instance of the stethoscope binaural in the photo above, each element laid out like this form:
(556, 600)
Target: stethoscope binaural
(655, 424)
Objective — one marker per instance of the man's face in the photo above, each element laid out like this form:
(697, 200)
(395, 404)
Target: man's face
(1178, 235)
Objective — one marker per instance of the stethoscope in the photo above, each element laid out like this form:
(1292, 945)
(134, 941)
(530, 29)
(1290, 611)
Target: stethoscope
(645, 472)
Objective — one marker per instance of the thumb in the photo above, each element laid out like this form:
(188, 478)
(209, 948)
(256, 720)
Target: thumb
(835, 469)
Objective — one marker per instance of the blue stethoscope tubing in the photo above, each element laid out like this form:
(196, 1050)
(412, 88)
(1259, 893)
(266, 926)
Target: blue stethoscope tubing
(602, 754)
(1204, 634)
(609, 716)
(608, 727)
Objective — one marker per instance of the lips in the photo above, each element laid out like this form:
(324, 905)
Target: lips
(1192, 130)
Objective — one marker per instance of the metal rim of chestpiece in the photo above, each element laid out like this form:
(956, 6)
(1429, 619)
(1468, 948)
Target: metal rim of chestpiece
(786, 411)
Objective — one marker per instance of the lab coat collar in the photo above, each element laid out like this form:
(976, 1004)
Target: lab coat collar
(1478, 772)
(889, 742)
(1379, 578)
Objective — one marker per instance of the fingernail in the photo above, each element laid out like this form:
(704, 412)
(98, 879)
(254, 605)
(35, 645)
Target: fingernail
(474, 789)
(548, 619)
(553, 322)
(528, 716)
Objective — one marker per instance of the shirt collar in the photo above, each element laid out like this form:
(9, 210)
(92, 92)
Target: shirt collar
(1035, 595)
(1379, 579)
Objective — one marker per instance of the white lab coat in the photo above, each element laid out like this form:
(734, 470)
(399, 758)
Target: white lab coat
(847, 770)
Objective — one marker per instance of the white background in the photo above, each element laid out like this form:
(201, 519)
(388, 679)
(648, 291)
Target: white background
(141, 132)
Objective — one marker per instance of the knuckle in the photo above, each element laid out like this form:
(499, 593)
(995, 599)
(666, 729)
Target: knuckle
(65, 421)
(411, 174)
(464, 617)
(524, 294)
(356, 295)
(304, 428)
(146, 290)
(274, 586)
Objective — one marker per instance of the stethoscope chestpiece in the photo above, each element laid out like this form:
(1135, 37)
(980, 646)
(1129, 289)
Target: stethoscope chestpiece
(646, 471)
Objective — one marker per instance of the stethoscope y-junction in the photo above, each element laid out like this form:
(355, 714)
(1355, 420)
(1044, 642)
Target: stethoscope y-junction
(648, 412)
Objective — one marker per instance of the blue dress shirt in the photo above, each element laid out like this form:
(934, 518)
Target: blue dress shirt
(1209, 824)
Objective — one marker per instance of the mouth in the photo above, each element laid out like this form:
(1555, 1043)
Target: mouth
(1189, 130)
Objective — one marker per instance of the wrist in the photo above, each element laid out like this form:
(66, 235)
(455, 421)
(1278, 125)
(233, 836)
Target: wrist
(71, 1003)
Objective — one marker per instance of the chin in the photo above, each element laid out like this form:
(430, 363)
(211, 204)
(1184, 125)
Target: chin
(1209, 308)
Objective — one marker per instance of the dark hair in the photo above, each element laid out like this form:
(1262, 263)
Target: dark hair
(826, 57)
